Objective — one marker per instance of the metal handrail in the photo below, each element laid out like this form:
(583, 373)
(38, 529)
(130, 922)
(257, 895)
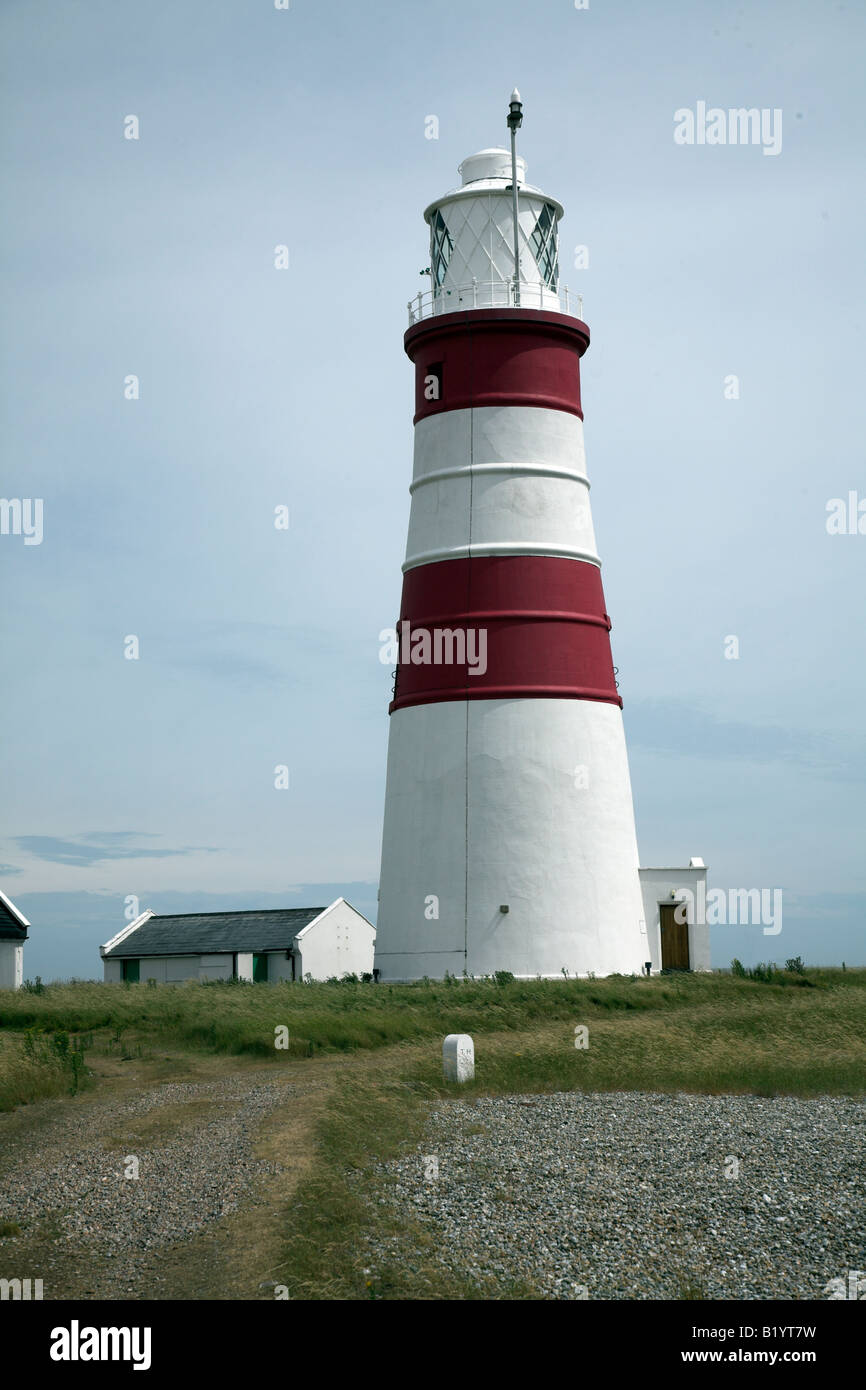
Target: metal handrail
(493, 294)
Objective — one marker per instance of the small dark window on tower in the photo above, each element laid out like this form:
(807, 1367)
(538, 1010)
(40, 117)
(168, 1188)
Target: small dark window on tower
(432, 381)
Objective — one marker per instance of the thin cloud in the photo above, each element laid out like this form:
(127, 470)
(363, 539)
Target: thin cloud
(679, 728)
(81, 851)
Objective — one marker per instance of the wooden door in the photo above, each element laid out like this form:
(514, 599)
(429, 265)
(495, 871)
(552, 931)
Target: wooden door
(675, 939)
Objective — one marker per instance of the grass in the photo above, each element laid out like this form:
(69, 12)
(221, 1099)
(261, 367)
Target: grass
(239, 1018)
(792, 1031)
(34, 1067)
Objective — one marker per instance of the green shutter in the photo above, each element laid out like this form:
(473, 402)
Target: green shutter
(130, 971)
(260, 969)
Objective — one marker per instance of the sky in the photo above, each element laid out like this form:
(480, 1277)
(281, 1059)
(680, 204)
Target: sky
(151, 782)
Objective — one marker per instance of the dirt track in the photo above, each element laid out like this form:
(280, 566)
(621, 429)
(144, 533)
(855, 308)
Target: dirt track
(220, 1147)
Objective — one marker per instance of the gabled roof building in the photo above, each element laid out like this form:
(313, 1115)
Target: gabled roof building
(13, 934)
(276, 944)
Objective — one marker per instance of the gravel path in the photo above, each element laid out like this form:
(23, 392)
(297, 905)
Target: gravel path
(187, 1179)
(625, 1196)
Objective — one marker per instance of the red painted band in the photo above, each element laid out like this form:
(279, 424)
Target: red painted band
(443, 619)
(506, 692)
(544, 632)
(526, 357)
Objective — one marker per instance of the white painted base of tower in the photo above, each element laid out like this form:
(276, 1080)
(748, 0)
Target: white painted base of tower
(539, 790)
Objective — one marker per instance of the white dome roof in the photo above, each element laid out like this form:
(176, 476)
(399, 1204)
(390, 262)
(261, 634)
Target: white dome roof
(493, 163)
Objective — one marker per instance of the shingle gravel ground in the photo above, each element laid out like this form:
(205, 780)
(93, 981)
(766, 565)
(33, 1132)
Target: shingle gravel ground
(185, 1182)
(624, 1195)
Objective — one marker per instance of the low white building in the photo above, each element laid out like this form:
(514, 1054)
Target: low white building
(276, 944)
(676, 938)
(13, 934)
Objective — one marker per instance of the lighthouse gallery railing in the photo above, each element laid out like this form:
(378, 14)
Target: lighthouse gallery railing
(493, 294)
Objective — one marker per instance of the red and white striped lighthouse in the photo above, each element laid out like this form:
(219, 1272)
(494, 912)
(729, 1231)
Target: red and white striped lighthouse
(509, 839)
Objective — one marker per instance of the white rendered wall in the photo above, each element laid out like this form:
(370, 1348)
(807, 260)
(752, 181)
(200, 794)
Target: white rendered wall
(560, 854)
(499, 480)
(152, 968)
(11, 965)
(177, 969)
(217, 966)
(168, 970)
(657, 885)
(337, 942)
(245, 965)
(165, 969)
(279, 968)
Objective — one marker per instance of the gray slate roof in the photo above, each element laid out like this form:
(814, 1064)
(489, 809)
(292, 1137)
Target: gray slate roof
(207, 933)
(10, 928)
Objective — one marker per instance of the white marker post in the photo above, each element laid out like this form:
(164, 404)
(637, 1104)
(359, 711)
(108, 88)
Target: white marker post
(458, 1057)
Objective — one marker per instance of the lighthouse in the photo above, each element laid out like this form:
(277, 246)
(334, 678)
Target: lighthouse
(509, 839)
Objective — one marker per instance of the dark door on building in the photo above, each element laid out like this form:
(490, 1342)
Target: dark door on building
(129, 971)
(675, 939)
(260, 969)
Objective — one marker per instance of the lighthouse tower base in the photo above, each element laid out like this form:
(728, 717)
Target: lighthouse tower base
(514, 819)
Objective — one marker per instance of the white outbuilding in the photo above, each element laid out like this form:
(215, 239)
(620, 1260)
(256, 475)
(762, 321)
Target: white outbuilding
(295, 943)
(677, 934)
(13, 934)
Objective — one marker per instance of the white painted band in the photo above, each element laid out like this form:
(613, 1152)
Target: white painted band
(499, 480)
(454, 552)
(544, 470)
(499, 434)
